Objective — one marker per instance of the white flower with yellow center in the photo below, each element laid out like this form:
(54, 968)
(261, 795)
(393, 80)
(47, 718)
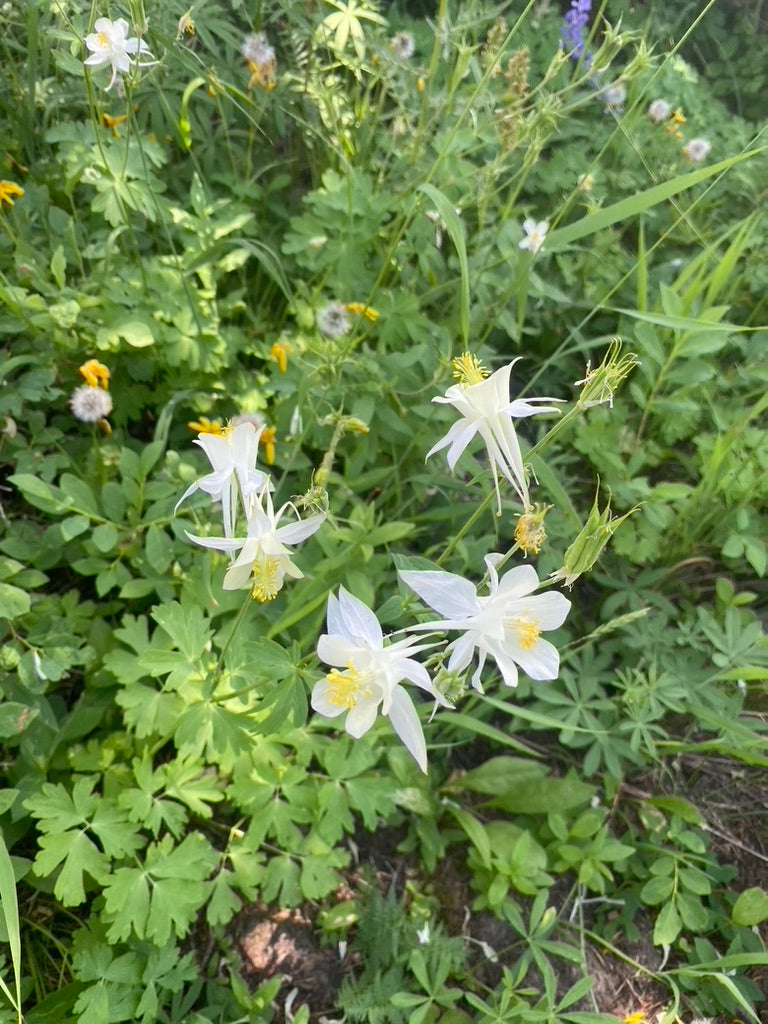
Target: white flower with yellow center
(110, 44)
(232, 454)
(535, 233)
(485, 407)
(265, 554)
(507, 624)
(366, 675)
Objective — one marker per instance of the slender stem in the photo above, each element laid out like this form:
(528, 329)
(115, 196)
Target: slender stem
(467, 526)
(235, 625)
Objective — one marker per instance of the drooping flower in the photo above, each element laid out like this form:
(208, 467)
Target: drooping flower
(529, 530)
(333, 320)
(506, 624)
(366, 675)
(696, 150)
(402, 45)
(485, 407)
(95, 374)
(535, 233)
(90, 404)
(265, 556)
(186, 24)
(360, 309)
(267, 442)
(280, 352)
(573, 32)
(232, 455)
(261, 60)
(9, 193)
(658, 111)
(110, 44)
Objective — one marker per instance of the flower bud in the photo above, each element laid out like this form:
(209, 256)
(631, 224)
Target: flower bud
(588, 546)
(599, 385)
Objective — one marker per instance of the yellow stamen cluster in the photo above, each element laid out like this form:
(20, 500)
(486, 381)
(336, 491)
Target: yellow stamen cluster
(529, 530)
(526, 631)
(638, 1017)
(95, 374)
(280, 352)
(9, 191)
(468, 370)
(360, 309)
(267, 442)
(267, 579)
(203, 425)
(344, 689)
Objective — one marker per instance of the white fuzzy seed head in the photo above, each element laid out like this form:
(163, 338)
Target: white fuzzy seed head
(90, 404)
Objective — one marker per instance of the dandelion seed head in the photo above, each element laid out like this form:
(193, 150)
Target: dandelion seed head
(658, 111)
(90, 404)
(696, 150)
(403, 46)
(333, 320)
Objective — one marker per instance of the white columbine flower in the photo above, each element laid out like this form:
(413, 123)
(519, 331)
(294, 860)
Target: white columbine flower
(696, 150)
(109, 44)
(265, 556)
(658, 111)
(367, 674)
(535, 233)
(507, 624)
(485, 407)
(232, 454)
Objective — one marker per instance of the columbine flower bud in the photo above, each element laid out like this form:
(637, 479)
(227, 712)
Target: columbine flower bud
(529, 530)
(588, 546)
(598, 386)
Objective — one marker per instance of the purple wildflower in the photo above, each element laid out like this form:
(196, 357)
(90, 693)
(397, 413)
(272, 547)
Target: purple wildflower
(573, 29)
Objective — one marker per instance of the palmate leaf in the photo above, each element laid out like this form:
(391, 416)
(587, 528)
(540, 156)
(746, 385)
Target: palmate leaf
(162, 897)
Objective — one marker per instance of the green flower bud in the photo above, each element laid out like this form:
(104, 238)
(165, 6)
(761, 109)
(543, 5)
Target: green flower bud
(588, 546)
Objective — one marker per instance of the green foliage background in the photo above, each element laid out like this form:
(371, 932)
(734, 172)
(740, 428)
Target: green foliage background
(161, 770)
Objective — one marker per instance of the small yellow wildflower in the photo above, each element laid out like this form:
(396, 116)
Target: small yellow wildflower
(267, 442)
(9, 191)
(280, 352)
(95, 374)
(203, 425)
(362, 310)
(675, 118)
(638, 1017)
(419, 84)
(112, 122)
(529, 530)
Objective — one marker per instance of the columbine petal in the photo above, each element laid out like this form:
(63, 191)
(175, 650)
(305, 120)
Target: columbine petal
(359, 622)
(405, 721)
(445, 592)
